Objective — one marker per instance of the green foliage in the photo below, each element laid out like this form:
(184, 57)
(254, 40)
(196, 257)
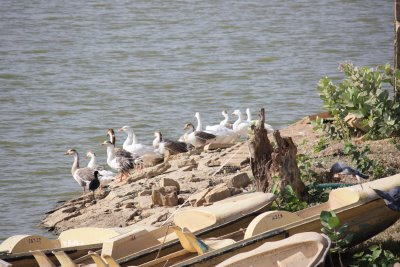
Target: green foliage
(321, 145)
(363, 93)
(335, 131)
(304, 163)
(317, 194)
(363, 162)
(395, 142)
(287, 199)
(360, 157)
(338, 234)
(375, 257)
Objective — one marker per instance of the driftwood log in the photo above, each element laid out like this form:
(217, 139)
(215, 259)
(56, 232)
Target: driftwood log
(268, 162)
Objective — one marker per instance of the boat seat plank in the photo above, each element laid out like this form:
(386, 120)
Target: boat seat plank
(42, 259)
(64, 259)
(110, 261)
(97, 259)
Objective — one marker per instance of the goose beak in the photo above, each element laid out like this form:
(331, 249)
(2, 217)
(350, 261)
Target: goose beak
(66, 153)
(120, 130)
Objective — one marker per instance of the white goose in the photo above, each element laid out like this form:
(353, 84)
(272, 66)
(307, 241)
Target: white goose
(198, 138)
(223, 134)
(224, 123)
(267, 127)
(83, 176)
(131, 144)
(120, 163)
(106, 176)
(240, 126)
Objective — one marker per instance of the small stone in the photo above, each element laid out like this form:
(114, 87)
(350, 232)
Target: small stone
(70, 210)
(164, 182)
(130, 205)
(186, 162)
(193, 179)
(165, 196)
(235, 191)
(145, 202)
(132, 216)
(144, 193)
(199, 198)
(239, 180)
(219, 192)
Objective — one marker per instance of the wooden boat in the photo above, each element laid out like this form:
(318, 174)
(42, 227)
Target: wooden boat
(358, 205)
(75, 242)
(222, 217)
(306, 249)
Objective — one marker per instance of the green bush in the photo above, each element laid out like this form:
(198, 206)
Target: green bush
(377, 257)
(338, 234)
(364, 93)
(287, 199)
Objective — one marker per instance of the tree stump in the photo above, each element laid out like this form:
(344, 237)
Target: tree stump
(268, 163)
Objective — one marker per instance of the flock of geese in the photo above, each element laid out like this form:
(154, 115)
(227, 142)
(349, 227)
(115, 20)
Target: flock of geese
(129, 157)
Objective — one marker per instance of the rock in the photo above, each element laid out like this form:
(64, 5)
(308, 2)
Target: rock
(73, 215)
(239, 180)
(165, 196)
(145, 202)
(193, 179)
(149, 172)
(189, 168)
(144, 193)
(219, 192)
(130, 205)
(214, 146)
(235, 191)
(164, 182)
(198, 199)
(186, 162)
(150, 160)
(70, 209)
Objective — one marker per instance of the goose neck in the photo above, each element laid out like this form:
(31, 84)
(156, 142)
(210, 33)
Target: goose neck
(92, 162)
(75, 164)
(199, 124)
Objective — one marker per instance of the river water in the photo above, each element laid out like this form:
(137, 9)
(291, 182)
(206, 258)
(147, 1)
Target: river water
(71, 69)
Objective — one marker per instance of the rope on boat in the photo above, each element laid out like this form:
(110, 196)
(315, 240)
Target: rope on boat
(162, 244)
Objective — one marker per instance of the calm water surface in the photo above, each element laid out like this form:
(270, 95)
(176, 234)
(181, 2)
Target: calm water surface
(71, 69)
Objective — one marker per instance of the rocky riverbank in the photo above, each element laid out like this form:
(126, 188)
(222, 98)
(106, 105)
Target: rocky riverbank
(149, 197)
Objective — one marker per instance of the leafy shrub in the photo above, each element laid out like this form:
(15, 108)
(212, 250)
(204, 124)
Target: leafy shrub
(363, 162)
(304, 163)
(376, 257)
(338, 235)
(363, 93)
(288, 200)
(321, 145)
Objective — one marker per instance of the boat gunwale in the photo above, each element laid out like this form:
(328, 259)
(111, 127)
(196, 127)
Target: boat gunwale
(267, 234)
(200, 233)
(27, 254)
